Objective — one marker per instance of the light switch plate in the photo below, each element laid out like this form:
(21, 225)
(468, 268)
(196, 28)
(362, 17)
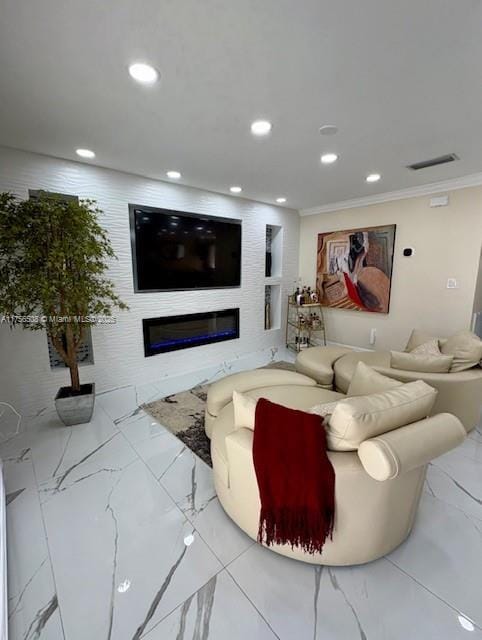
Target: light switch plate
(452, 283)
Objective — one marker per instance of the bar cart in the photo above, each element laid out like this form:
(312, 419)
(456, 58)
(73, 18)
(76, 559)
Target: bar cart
(305, 326)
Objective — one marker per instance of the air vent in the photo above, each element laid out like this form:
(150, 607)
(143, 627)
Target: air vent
(85, 354)
(450, 157)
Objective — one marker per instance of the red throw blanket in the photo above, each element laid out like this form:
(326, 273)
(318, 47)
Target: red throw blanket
(295, 478)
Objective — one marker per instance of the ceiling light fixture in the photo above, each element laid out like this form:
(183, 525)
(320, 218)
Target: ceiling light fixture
(261, 127)
(328, 130)
(85, 153)
(466, 624)
(373, 177)
(235, 189)
(143, 73)
(329, 158)
(175, 175)
(280, 200)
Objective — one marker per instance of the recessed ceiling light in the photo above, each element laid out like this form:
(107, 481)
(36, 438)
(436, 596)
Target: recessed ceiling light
(175, 175)
(144, 73)
(328, 130)
(261, 127)
(85, 153)
(235, 189)
(280, 200)
(329, 158)
(466, 624)
(373, 177)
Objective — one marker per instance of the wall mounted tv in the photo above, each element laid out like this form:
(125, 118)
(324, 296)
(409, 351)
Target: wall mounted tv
(174, 250)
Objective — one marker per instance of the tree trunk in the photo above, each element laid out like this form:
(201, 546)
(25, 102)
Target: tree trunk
(74, 376)
(72, 358)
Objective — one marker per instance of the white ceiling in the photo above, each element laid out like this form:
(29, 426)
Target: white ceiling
(401, 79)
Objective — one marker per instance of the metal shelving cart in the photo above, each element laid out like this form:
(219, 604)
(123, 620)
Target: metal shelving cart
(305, 326)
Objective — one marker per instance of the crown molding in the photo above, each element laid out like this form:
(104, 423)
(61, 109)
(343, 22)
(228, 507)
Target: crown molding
(473, 180)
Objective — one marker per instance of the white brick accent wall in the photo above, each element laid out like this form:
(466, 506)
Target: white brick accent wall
(26, 380)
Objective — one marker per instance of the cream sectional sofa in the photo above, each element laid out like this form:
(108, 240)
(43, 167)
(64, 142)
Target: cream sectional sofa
(378, 486)
(460, 393)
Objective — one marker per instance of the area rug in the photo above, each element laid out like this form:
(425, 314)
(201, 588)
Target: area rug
(183, 414)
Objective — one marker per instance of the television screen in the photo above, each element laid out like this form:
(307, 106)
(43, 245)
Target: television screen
(176, 250)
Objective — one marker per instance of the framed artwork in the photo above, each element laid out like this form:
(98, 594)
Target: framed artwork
(354, 268)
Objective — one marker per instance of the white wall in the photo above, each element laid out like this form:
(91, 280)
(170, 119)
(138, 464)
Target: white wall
(447, 244)
(25, 376)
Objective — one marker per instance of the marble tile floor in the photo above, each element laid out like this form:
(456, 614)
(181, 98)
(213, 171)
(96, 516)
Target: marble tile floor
(115, 533)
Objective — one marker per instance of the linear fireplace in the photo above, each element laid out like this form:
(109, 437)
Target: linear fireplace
(171, 333)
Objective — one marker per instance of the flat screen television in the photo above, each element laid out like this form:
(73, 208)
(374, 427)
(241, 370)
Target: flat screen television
(177, 250)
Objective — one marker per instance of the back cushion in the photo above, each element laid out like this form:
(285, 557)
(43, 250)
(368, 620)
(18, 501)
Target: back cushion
(430, 348)
(360, 418)
(417, 338)
(325, 409)
(366, 380)
(420, 362)
(466, 349)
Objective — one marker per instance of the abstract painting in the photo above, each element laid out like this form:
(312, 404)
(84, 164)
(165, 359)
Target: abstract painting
(354, 268)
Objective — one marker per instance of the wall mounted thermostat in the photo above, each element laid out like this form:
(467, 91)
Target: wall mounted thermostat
(408, 252)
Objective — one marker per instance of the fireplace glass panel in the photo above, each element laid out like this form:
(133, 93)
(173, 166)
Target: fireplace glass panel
(182, 332)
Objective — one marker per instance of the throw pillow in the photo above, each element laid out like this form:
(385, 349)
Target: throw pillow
(430, 348)
(418, 338)
(420, 362)
(324, 410)
(357, 419)
(244, 410)
(366, 380)
(466, 349)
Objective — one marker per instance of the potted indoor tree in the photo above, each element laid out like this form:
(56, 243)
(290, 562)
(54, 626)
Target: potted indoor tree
(53, 259)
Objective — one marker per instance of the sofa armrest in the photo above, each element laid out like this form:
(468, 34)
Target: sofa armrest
(396, 452)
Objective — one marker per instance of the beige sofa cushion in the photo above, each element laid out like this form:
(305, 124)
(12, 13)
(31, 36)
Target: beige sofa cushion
(466, 349)
(418, 338)
(324, 410)
(366, 380)
(360, 418)
(430, 348)
(244, 410)
(459, 393)
(420, 362)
